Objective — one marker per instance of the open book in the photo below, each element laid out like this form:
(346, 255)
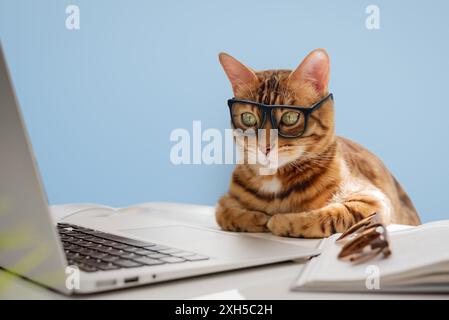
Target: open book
(419, 263)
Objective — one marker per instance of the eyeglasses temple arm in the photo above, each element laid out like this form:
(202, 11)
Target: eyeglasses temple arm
(321, 102)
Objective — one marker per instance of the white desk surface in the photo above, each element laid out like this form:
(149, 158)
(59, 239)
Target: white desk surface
(266, 282)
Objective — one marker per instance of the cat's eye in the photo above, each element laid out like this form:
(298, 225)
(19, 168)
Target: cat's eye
(249, 119)
(289, 118)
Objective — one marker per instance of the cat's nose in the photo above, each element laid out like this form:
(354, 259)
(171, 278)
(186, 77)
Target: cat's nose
(267, 150)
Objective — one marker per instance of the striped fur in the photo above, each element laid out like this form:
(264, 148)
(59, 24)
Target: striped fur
(325, 183)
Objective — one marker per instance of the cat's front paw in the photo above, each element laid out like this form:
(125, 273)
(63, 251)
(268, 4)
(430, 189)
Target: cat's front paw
(239, 220)
(295, 225)
(280, 226)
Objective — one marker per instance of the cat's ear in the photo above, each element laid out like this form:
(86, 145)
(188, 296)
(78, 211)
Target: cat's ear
(241, 76)
(314, 69)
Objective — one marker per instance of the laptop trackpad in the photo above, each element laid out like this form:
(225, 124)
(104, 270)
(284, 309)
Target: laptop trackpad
(210, 242)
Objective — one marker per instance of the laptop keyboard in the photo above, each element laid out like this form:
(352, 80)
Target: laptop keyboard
(93, 250)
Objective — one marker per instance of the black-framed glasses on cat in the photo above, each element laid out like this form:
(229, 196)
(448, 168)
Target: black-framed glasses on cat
(290, 121)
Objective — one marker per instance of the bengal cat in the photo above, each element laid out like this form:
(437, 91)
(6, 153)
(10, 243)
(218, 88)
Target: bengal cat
(323, 183)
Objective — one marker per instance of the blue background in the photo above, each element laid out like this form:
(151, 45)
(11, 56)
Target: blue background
(100, 102)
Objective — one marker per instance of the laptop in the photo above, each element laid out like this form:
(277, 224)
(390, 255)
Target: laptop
(94, 255)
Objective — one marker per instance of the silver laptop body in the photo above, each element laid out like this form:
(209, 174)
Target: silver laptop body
(31, 247)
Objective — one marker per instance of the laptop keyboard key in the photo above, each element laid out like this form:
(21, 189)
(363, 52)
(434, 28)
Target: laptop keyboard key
(82, 236)
(97, 240)
(159, 247)
(109, 250)
(78, 241)
(107, 266)
(110, 243)
(129, 255)
(90, 245)
(87, 268)
(86, 251)
(127, 263)
(143, 252)
(109, 258)
(115, 252)
(98, 247)
(77, 249)
(157, 255)
(79, 258)
(169, 251)
(196, 257)
(98, 255)
(63, 225)
(121, 246)
(182, 254)
(172, 259)
(148, 261)
(94, 233)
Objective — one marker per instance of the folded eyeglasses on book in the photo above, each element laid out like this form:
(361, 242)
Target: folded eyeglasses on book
(365, 240)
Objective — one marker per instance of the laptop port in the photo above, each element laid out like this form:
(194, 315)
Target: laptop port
(131, 280)
(106, 283)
